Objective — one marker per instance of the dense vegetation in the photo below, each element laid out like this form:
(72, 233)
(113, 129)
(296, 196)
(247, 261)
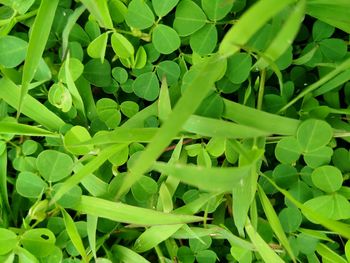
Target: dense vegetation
(174, 131)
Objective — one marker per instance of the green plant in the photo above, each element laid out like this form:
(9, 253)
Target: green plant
(178, 130)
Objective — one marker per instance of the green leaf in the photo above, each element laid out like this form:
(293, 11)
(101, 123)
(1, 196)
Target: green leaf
(97, 73)
(8, 241)
(290, 219)
(30, 185)
(140, 58)
(164, 103)
(97, 48)
(162, 8)
(71, 198)
(321, 30)
(120, 74)
(204, 40)
(313, 134)
(212, 106)
(170, 70)
(37, 42)
(333, 206)
(333, 48)
(122, 46)
(54, 165)
(40, 241)
(99, 9)
(129, 108)
(13, 51)
(217, 9)
(139, 15)
(165, 39)
(238, 67)
(144, 188)
(288, 150)
(146, 86)
(60, 97)
(117, 10)
(189, 18)
(327, 178)
(72, 139)
(318, 157)
(108, 112)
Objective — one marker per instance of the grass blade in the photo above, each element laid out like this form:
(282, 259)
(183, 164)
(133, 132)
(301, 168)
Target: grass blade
(260, 120)
(203, 79)
(338, 69)
(73, 234)
(219, 128)
(73, 18)
(335, 13)
(124, 213)
(275, 222)
(264, 250)
(31, 107)
(91, 227)
(37, 42)
(285, 36)
(77, 100)
(23, 129)
(89, 168)
(214, 179)
(340, 228)
(99, 9)
(248, 25)
(329, 254)
(3, 179)
(124, 254)
(137, 121)
(154, 236)
(334, 83)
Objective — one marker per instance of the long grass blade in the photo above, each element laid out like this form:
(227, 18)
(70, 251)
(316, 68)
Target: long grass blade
(214, 179)
(248, 25)
(88, 169)
(91, 227)
(264, 250)
(285, 36)
(204, 76)
(31, 107)
(37, 42)
(77, 100)
(73, 234)
(124, 254)
(23, 129)
(345, 65)
(328, 254)
(3, 179)
(99, 9)
(73, 18)
(219, 128)
(124, 213)
(340, 228)
(274, 222)
(271, 123)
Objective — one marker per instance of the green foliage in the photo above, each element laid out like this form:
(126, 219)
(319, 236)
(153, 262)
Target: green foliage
(185, 131)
